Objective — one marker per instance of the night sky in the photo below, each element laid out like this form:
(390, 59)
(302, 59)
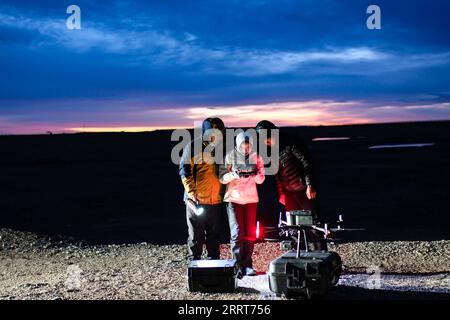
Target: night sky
(142, 65)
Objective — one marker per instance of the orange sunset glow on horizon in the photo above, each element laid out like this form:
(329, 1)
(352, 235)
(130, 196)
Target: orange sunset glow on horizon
(294, 113)
(306, 113)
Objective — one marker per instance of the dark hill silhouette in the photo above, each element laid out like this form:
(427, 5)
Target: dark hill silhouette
(123, 187)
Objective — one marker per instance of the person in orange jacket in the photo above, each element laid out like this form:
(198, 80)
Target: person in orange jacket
(200, 178)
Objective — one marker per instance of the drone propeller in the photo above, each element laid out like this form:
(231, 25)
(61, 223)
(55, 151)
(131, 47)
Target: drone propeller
(346, 229)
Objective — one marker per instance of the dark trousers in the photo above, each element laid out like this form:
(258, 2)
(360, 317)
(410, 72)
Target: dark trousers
(242, 220)
(297, 200)
(204, 228)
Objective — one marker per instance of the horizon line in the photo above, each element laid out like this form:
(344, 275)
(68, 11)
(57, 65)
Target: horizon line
(140, 129)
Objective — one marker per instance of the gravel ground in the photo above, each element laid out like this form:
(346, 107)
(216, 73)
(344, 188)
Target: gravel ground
(35, 267)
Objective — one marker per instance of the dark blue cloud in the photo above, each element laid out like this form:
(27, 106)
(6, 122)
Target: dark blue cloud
(191, 53)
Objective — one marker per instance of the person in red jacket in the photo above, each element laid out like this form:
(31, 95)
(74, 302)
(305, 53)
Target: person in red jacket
(294, 179)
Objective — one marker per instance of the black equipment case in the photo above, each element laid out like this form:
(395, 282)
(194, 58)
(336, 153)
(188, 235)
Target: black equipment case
(312, 274)
(212, 276)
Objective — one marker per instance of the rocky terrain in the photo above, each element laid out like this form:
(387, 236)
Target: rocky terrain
(38, 267)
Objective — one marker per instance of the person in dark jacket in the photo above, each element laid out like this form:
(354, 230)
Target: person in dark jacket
(203, 190)
(294, 180)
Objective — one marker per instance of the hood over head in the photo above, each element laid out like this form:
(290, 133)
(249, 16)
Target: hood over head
(243, 137)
